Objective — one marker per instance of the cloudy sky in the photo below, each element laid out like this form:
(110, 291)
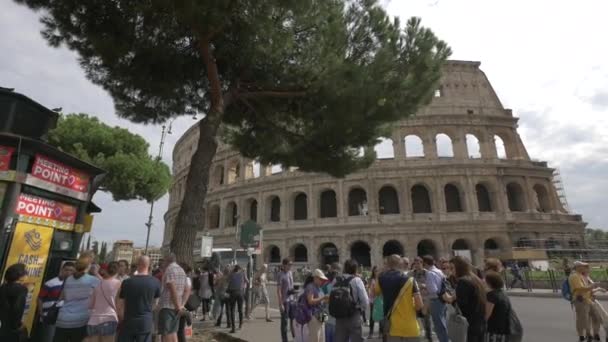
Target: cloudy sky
(547, 60)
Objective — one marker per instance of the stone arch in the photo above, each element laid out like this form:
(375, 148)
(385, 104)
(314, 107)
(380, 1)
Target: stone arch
(414, 147)
(218, 175)
(384, 149)
(491, 247)
(253, 170)
(484, 201)
(361, 252)
(388, 200)
(299, 253)
(234, 171)
(392, 247)
(300, 207)
(552, 243)
(463, 248)
(427, 247)
(328, 204)
(421, 200)
(232, 214)
(273, 254)
(473, 146)
(274, 208)
(250, 209)
(328, 253)
(445, 148)
(542, 199)
(499, 144)
(357, 202)
(516, 197)
(453, 202)
(214, 216)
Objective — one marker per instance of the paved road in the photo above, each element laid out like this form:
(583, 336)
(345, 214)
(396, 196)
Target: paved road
(544, 319)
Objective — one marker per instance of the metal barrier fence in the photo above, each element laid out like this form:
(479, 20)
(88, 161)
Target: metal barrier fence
(547, 280)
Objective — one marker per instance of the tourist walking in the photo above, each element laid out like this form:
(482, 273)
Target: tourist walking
(48, 299)
(315, 300)
(260, 282)
(103, 321)
(12, 304)
(582, 289)
(236, 283)
(74, 314)
(498, 309)
(330, 325)
(470, 298)
(349, 322)
(373, 279)
(221, 297)
(401, 301)
(284, 290)
(424, 315)
(433, 285)
(123, 270)
(517, 277)
(136, 301)
(205, 291)
(172, 301)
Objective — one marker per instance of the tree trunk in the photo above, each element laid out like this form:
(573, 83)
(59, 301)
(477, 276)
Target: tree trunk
(190, 217)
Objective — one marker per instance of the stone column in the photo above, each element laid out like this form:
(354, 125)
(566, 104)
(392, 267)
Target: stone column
(459, 145)
(500, 196)
(438, 198)
(398, 145)
(429, 145)
(487, 145)
(529, 196)
(222, 214)
(376, 250)
(312, 203)
(470, 195)
(341, 201)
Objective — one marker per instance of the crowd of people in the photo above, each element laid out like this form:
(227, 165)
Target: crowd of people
(408, 301)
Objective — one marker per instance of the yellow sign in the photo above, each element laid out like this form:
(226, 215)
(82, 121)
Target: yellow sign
(30, 246)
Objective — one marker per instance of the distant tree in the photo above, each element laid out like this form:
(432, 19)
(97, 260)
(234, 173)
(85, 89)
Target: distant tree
(103, 252)
(88, 243)
(95, 249)
(301, 83)
(132, 172)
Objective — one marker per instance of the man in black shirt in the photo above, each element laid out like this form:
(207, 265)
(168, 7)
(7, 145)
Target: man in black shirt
(137, 298)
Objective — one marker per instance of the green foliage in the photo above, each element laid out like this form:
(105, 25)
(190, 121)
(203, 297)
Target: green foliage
(103, 252)
(596, 238)
(303, 82)
(132, 173)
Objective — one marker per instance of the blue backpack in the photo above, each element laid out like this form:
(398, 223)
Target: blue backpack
(566, 292)
(303, 311)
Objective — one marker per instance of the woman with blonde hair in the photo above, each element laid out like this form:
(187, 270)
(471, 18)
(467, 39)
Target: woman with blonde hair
(74, 314)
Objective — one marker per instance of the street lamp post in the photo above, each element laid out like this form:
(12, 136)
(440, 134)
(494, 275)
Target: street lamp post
(165, 130)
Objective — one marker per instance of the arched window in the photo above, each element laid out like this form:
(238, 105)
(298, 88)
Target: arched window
(253, 210)
(357, 202)
(421, 202)
(384, 149)
(328, 204)
(460, 245)
(501, 151)
(388, 201)
(392, 247)
(452, 198)
(300, 207)
(473, 147)
(231, 214)
(543, 203)
(483, 198)
(234, 170)
(360, 251)
(414, 147)
(300, 253)
(490, 245)
(426, 247)
(253, 170)
(275, 209)
(218, 175)
(214, 217)
(444, 145)
(328, 254)
(273, 254)
(515, 196)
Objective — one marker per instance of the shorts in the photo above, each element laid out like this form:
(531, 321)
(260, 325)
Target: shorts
(168, 321)
(103, 329)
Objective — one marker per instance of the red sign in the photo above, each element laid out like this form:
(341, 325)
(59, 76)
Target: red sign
(5, 157)
(38, 207)
(59, 174)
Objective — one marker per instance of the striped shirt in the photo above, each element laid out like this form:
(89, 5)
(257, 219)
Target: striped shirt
(49, 294)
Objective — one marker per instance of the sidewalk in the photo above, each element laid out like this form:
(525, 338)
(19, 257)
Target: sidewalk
(545, 293)
(255, 330)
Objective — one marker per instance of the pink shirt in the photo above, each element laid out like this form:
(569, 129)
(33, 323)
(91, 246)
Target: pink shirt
(103, 302)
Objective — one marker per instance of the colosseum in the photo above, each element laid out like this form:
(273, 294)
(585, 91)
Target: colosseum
(455, 178)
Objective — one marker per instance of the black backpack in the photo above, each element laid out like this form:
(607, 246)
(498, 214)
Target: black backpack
(341, 300)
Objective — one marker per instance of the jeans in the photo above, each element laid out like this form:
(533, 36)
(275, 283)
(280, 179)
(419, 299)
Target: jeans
(284, 322)
(236, 302)
(223, 307)
(330, 332)
(349, 329)
(425, 320)
(439, 315)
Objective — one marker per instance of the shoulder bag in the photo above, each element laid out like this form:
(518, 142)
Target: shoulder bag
(458, 326)
(516, 331)
(386, 322)
(53, 312)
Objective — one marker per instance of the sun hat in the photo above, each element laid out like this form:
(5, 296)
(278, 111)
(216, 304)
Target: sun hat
(319, 274)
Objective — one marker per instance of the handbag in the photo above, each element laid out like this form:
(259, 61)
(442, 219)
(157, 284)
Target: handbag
(193, 302)
(516, 331)
(378, 312)
(458, 326)
(53, 312)
(386, 321)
